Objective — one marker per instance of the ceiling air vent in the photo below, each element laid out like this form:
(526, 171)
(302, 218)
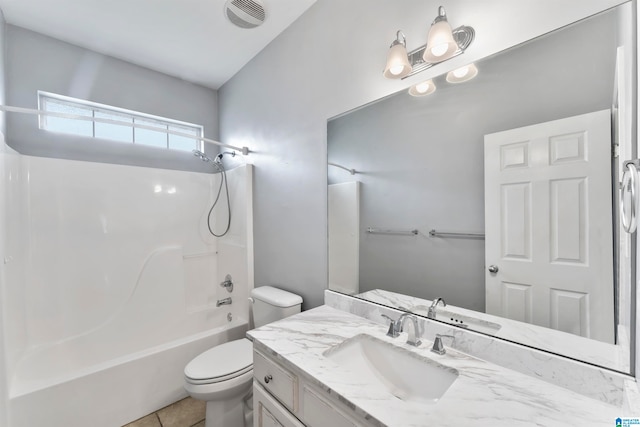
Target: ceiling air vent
(245, 13)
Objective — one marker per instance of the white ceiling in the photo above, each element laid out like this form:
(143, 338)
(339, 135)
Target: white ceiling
(190, 39)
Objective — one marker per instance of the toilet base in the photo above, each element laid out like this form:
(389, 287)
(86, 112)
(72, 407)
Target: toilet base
(229, 413)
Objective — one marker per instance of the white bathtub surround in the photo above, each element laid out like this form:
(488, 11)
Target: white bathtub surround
(588, 380)
(119, 391)
(8, 163)
(483, 394)
(113, 286)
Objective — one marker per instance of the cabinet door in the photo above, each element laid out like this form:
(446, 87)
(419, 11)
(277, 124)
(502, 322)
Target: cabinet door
(267, 419)
(268, 412)
(320, 413)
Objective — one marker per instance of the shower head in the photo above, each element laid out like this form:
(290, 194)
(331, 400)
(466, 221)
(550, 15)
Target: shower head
(218, 159)
(199, 154)
(217, 162)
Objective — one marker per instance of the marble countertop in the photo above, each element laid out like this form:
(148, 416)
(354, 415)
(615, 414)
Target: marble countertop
(574, 346)
(484, 394)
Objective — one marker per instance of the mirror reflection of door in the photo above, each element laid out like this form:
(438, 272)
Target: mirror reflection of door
(548, 208)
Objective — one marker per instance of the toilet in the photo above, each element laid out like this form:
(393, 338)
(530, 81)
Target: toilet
(222, 376)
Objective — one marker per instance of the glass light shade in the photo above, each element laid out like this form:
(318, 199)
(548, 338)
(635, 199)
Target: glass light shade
(422, 89)
(462, 74)
(440, 43)
(397, 62)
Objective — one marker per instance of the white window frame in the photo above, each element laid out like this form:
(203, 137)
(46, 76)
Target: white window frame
(163, 123)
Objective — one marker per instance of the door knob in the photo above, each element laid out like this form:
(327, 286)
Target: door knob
(493, 269)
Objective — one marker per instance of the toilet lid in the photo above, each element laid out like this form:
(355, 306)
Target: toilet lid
(223, 361)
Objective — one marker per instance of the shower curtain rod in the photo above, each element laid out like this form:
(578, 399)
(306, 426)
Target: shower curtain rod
(351, 171)
(244, 150)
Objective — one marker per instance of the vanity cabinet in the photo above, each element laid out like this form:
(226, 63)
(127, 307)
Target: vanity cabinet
(283, 398)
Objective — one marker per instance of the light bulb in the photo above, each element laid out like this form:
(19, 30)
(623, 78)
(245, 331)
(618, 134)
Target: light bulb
(439, 50)
(422, 87)
(396, 69)
(461, 72)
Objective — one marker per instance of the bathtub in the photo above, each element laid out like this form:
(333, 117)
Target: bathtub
(110, 393)
(112, 287)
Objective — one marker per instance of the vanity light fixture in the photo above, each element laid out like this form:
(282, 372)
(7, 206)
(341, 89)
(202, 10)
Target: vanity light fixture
(397, 59)
(422, 89)
(440, 43)
(443, 43)
(462, 74)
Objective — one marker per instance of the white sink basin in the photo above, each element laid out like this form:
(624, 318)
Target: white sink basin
(392, 369)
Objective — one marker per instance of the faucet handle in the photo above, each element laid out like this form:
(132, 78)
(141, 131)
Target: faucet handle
(393, 328)
(228, 283)
(438, 346)
(446, 336)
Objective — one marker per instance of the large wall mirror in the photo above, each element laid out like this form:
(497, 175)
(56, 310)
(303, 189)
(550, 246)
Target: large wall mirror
(498, 195)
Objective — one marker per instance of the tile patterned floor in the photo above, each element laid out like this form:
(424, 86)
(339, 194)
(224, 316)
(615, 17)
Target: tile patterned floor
(187, 412)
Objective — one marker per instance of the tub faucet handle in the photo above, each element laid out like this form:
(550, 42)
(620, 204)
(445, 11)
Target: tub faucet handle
(228, 283)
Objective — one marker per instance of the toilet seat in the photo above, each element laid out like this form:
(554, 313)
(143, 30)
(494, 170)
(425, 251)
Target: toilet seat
(238, 386)
(221, 363)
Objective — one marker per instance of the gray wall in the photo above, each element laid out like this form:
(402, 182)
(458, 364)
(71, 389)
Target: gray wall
(37, 62)
(422, 158)
(3, 26)
(328, 62)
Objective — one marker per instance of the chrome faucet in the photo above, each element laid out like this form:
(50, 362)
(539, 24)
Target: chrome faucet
(414, 335)
(396, 326)
(431, 314)
(438, 347)
(224, 301)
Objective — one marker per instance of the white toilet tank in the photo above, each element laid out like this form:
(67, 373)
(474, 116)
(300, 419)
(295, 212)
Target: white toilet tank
(271, 304)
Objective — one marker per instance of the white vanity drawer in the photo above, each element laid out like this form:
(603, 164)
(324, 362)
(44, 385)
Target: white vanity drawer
(317, 412)
(267, 412)
(280, 383)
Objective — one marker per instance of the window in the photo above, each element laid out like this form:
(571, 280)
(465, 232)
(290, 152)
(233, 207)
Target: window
(163, 135)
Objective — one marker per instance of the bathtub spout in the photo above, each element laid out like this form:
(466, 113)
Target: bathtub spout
(224, 301)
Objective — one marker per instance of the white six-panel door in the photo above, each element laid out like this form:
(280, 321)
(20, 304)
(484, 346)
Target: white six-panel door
(548, 225)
